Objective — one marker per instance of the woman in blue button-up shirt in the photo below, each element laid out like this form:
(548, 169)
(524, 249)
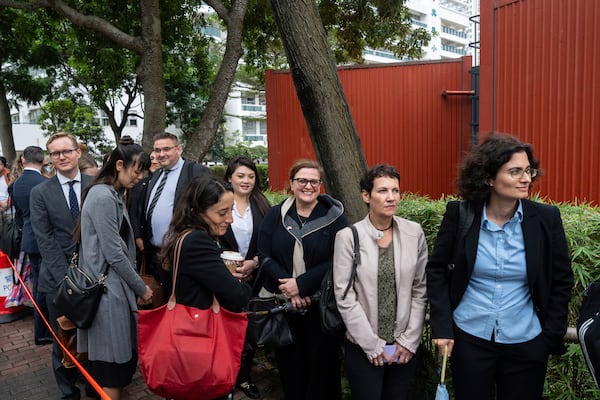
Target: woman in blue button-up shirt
(499, 287)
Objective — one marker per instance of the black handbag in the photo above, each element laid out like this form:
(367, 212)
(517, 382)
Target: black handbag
(78, 295)
(331, 320)
(10, 237)
(267, 324)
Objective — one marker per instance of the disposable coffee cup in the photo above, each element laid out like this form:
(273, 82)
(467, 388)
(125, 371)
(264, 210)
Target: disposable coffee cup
(232, 260)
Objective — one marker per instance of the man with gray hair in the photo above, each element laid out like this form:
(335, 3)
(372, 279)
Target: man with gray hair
(33, 162)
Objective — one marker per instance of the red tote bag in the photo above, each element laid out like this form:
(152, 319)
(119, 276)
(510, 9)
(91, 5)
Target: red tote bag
(188, 353)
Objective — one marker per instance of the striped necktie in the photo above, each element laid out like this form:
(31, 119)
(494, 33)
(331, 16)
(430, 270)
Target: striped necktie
(159, 189)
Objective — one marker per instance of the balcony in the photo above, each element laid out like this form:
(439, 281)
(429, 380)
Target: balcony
(253, 107)
(454, 32)
(455, 50)
(419, 23)
(464, 7)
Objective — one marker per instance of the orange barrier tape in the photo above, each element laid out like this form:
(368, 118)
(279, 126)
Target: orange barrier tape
(85, 374)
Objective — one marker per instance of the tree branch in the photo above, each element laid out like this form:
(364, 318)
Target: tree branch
(82, 20)
(220, 9)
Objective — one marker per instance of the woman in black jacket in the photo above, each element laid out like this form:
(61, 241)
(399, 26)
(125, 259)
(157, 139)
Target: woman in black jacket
(249, 208)
(205, 210)
(500, 287)
(295, 248)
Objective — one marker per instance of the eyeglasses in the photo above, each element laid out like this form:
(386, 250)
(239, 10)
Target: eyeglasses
(304, 182)
(517, 173)
(65, 153)
(164, 149)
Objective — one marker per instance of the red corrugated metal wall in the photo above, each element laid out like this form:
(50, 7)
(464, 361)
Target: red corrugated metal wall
(400, 114)
(540, 61)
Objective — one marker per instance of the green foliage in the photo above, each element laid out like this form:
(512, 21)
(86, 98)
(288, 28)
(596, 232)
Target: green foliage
(78, 119)
(25, 45)
(379, 24)
(263, 176)
(242, 149)
(568, 378)
(351, 25)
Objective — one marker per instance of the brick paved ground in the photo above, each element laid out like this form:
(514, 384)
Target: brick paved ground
(25, 372)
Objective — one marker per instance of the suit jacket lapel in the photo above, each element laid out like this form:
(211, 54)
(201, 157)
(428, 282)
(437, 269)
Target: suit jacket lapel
(472, 240)
(533, 237)
(56, 192)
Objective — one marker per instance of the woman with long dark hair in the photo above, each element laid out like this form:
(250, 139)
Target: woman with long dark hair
(249, 208)
(106, 240)
(205, 211)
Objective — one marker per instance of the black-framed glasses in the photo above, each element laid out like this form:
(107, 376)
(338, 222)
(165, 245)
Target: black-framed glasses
(165, 149)
(517, 173)
(304, 182)
(66, 153)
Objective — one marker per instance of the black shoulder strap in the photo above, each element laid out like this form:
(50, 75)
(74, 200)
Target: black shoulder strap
(465, 218)
(356, 259)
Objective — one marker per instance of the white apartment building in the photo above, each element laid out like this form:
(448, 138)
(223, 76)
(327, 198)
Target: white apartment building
(449, 22)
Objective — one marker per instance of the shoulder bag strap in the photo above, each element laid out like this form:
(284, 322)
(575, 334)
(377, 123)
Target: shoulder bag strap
(356, 259)
(176, 254)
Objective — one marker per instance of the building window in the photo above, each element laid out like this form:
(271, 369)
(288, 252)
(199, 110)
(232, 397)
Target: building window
(132, 122)
(248, 127)
(263, 127)
(102, 118)
(248, 98)
(15, 118)
(34, 116)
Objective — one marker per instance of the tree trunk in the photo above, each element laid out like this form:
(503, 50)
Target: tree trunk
(204, 135)
(6, 132)
(150, 73)
(323, 102)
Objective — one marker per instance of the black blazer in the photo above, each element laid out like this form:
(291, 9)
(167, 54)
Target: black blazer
(21, 190)
(549, 273)
(53, 225)
(229, 242)
(203, 274)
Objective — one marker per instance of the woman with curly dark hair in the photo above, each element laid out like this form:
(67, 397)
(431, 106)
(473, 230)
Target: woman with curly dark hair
(499, 287)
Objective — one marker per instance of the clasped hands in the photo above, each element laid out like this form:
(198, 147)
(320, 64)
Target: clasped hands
(400, 356)
(289, 288)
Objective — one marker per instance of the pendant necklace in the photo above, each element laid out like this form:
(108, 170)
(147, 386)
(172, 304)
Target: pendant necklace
(302, 220)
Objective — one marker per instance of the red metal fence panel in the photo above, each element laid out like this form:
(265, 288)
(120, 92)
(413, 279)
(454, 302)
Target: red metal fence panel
(539, 81)
(400, 114)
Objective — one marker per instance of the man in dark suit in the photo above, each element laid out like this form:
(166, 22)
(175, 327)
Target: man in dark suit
(33, 161)
(164, 189)
(54, 206)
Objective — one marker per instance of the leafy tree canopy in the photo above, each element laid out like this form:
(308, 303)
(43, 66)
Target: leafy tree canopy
(351, 25)
(77, 118)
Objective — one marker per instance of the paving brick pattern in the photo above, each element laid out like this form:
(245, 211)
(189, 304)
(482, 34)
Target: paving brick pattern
(26, 374)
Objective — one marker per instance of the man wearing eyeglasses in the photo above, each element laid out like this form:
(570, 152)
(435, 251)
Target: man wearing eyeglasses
(54, 208)
(165, 187)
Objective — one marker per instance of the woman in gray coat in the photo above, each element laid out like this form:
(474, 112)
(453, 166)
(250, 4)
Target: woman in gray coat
(106, 240)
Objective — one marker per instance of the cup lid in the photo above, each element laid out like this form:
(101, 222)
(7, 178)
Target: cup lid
(232, 255)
